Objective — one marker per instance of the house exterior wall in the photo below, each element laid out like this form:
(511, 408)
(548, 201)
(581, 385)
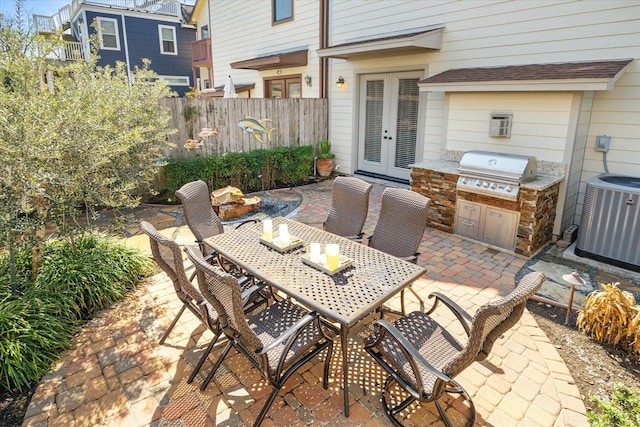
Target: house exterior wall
(240, 30)
(139, 38)
(497, 33)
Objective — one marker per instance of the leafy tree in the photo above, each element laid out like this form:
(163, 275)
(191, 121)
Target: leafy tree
(74, 136)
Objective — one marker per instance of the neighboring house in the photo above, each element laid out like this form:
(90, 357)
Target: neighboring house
(267, 47)
(128, 31)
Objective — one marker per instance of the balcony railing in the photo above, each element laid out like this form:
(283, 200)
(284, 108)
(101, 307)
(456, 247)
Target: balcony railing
(62, 19)
(201, 52)
(72, 51)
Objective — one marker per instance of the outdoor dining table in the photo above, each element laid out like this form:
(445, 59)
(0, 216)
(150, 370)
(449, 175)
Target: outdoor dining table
(346, 297)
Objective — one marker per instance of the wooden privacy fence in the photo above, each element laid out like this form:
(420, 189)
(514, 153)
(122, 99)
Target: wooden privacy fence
(296, 121)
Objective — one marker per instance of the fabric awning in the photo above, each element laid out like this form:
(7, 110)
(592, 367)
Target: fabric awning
(588, 75)
(271, 62)
(417, 41)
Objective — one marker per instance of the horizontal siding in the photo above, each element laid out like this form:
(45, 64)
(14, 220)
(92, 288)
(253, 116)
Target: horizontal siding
(539, 125)
(242, 30)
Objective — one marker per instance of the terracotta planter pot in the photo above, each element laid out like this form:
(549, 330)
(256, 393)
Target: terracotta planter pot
(324, 166)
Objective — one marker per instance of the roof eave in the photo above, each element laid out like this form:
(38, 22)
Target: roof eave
(429, 40)
(563, 85)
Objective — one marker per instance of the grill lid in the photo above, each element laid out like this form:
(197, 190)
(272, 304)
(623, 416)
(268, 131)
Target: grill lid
(508, 167)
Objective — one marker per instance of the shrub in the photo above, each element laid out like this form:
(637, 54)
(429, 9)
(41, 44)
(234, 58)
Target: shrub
(70, 286)
(31, 337)
(622, 410)
(250, 171)
(98, 273)
(611, 316)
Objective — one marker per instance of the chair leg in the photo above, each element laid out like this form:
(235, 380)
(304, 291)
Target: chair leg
(216, 366)
(327, 362)
(391, 412)
(166, 334)
(266, 406)
(203, 358)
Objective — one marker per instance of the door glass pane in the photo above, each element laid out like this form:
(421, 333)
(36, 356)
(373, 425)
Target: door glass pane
(407, 124)
(373, 120)
(295, 90)
(276, 90)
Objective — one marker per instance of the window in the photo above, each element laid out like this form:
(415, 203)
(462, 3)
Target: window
(204, 32)
(283, 87)
(282, 10)
(167, 40)
(108, 32)
(176, 80)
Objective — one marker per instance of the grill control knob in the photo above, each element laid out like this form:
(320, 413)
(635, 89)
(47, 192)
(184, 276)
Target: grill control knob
(494, 186)
(486, 184)
(509, 188)
(478, 183)
(464, 180)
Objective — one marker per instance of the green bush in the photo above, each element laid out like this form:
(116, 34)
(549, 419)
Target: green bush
(622, 410)
(250, 171)
(98, 273)
(70, 286)
(31, 337)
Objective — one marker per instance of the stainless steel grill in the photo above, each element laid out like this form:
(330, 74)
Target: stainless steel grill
(495, 174)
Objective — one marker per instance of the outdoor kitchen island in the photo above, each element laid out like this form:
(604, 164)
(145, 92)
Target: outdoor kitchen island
(523, 225)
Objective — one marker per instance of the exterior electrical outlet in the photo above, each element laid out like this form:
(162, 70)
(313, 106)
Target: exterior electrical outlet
(602, 143)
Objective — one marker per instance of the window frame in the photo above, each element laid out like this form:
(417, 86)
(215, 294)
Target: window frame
(116, 34)
(175, 39)
(275, 21)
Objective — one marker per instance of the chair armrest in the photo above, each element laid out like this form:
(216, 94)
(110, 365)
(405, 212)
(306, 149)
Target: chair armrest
(249, 221)
(410, 352)
(250, 293)
(413, 258)
(464, 318)
(290, 335)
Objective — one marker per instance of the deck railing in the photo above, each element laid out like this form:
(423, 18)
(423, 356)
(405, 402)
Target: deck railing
(201, 52)
(72, 51)
(49, 24)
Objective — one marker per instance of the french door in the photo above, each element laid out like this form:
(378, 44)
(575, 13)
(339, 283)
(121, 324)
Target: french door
(388, 123)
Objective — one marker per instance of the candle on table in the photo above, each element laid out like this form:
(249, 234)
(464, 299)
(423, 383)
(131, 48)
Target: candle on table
(332, 253)
(284, 235)
(267, 230)
(314, 252)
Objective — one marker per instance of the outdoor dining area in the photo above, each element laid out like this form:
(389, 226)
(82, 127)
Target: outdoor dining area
(262, 324)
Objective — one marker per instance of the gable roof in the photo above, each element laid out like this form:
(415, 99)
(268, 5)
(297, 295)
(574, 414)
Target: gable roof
(588, 75)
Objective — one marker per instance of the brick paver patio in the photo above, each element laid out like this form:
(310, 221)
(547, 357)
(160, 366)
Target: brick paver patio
(117, 374)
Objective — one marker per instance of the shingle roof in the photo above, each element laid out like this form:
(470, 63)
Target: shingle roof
(568, 70)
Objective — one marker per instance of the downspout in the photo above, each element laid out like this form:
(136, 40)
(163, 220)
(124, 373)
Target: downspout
(126, 46)
(209, 32)
(324, 37)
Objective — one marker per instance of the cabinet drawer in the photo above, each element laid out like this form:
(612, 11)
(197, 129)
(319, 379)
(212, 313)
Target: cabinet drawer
(467, 227)
(469, 210)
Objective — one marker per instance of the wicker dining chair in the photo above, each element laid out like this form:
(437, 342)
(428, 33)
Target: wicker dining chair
(201, 219)
(278, 340)
(168, 255)
(423, 358)
(400, 226)
(349, 207)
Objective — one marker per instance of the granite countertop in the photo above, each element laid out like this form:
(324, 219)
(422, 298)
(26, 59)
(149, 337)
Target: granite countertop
(542, 181)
